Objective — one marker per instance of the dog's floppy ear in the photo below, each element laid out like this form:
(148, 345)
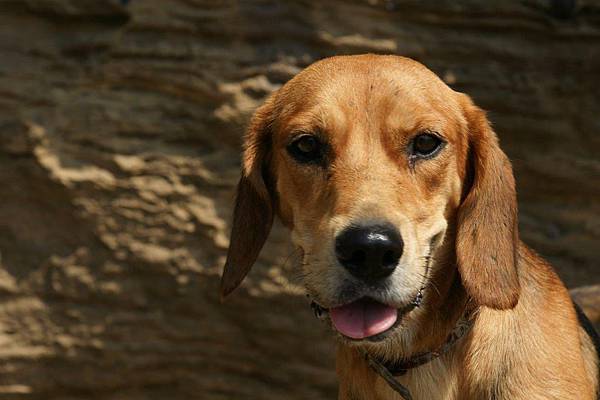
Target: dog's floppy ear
(487, 231)
(253, 213)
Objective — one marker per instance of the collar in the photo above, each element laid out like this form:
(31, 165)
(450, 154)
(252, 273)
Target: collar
(389, 370)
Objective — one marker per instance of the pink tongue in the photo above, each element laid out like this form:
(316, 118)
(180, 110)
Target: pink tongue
(363, 318)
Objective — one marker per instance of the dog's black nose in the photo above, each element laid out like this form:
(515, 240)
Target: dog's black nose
(369, 252)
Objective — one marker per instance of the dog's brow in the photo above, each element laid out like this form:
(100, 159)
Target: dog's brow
(307, 122)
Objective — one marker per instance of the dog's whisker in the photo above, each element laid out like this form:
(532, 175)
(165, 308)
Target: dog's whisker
(293, 253)
(434, 286)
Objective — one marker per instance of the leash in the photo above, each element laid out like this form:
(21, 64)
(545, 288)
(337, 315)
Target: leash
(382, 371)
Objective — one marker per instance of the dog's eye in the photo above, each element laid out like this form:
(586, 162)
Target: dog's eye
(306, 149)
(426, 144)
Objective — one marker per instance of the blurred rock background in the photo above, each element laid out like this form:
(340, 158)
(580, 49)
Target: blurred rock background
(120, 126)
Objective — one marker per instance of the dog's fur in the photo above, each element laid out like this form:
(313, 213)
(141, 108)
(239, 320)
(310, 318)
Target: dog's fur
(458, 208)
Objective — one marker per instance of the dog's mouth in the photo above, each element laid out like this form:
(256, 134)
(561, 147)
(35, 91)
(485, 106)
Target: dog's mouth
(365, 318)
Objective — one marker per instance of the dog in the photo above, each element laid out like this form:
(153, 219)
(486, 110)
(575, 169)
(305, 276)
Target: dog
(403, 207)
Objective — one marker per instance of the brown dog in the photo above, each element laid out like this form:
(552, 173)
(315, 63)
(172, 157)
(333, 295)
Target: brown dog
(404, 207)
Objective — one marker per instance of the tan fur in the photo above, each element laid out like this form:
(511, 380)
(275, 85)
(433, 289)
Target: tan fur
(459, 206)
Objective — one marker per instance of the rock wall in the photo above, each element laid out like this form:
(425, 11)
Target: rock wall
(120, 126)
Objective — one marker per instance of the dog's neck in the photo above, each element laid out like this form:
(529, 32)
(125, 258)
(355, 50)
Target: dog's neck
(389, 371)
(444, 304)
(400, 367)
(449, 319)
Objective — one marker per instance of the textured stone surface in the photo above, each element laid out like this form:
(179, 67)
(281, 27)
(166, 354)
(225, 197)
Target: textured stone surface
(120, 126)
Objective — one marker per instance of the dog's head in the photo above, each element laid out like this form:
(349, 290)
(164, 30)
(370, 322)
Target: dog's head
(390, 182)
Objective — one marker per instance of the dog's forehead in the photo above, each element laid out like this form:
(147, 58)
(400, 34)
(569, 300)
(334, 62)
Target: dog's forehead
(366, 76)
(389, 90)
